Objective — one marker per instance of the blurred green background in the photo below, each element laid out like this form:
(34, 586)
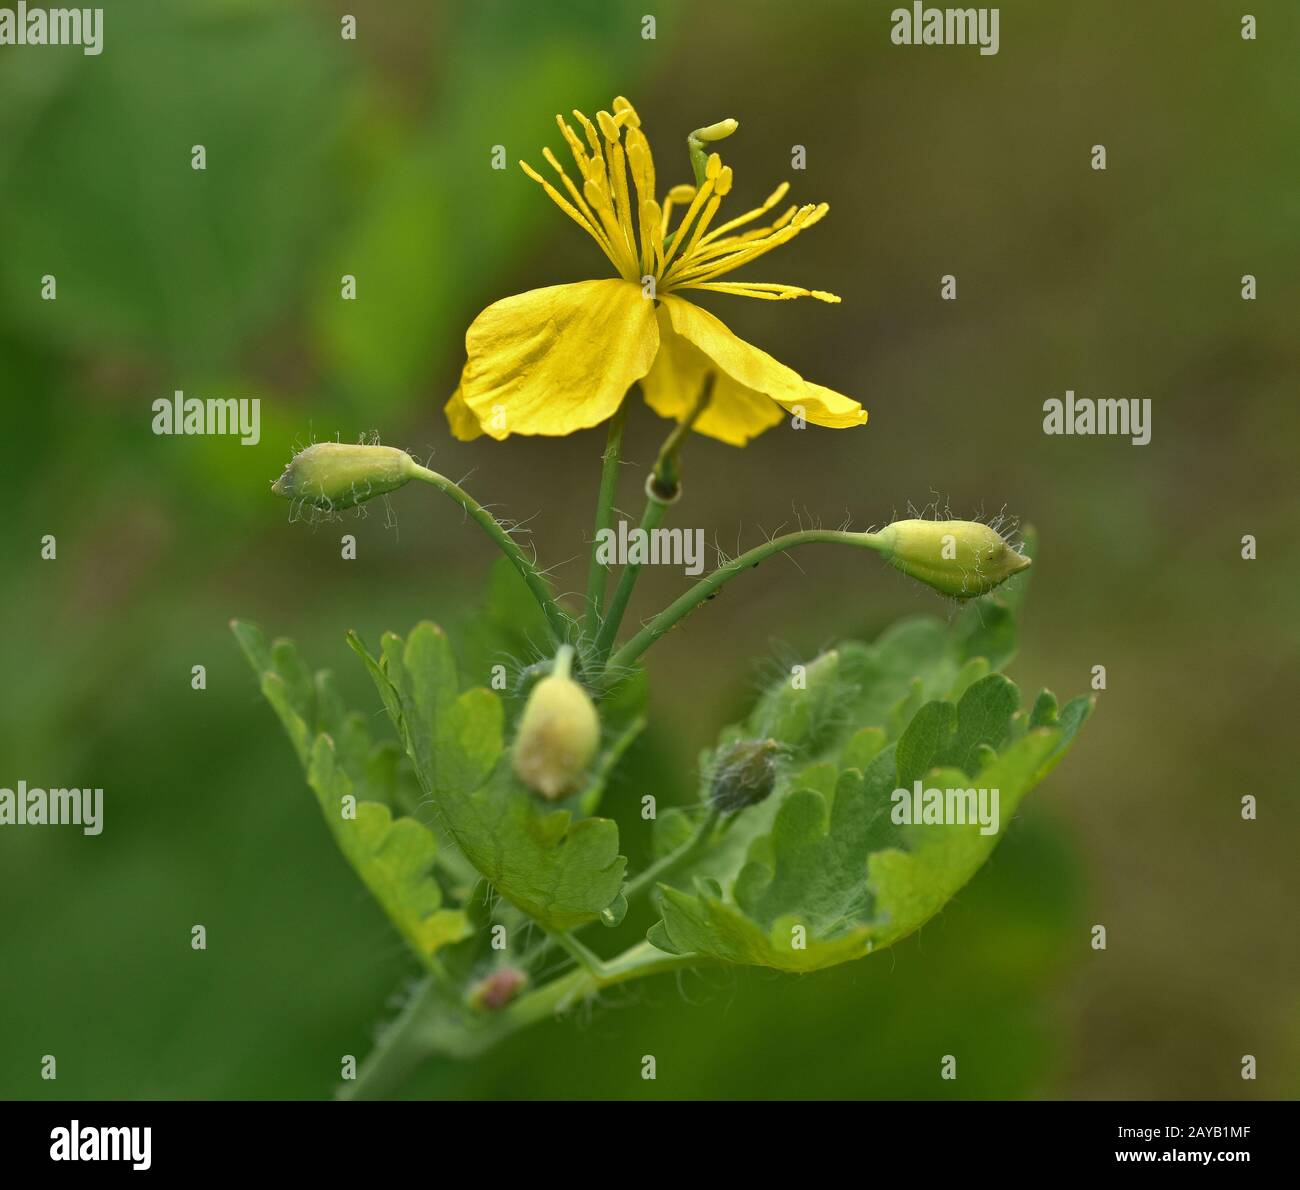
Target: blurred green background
(372, 157)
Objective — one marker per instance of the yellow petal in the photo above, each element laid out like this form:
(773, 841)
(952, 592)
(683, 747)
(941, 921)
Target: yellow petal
(756, 370)
(734, 415)
(557, 360)
(464, 425)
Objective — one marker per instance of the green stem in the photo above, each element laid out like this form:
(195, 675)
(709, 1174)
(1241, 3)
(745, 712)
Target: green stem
(597, 574)
(563, 662)
(421, 1031)
(588, 960)
(560, 623)
(662, 489)
(708, 586)
(667, 482)
(669, 863)
(637, 962)
(398, 1053)
(650, 521)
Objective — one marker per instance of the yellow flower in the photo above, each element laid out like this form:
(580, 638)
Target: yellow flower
(560, 359)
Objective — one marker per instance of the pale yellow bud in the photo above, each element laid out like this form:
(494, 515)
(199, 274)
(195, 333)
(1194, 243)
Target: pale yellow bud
(334, 475)
(558, 734)
(958, 558)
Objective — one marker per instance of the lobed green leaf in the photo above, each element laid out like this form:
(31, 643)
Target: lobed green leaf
(354, 782)
(560, 871)
(821, 872)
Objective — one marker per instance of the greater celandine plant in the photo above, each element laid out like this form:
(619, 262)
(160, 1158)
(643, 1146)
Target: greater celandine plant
(863, 790)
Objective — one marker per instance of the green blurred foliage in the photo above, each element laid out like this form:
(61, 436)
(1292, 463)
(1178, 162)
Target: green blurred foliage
(372, 158)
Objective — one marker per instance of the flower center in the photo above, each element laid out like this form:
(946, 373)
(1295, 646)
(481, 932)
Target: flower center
(636, 233)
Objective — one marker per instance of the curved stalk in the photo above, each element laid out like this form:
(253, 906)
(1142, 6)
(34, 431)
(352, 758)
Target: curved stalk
(675, 859)
(708, 586)
(561, 624)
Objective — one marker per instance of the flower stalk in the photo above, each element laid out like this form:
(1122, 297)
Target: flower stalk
(560, 623)
(663, 488)
(963, 559)
(696, 845)
(598, 574)
(708, 587)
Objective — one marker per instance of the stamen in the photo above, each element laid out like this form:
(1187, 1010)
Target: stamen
(804, 218)
(711, 249)
(621, 106)
(701, 197)
(678, 194)
(607, 125)
(765, 291)
(712, 169)
(596, 193)
(632, 229)
(622, 200)
(652, 238)
(721, 187)
(749, 216)
(642, 163)
(642, 167)
(593, 137)
(578, 200)
(569, 209)
(580, 157)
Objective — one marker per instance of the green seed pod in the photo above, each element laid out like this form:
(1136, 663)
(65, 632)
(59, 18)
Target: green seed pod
(745, 775)
(958, 558)
(558, 735)
(334, 475)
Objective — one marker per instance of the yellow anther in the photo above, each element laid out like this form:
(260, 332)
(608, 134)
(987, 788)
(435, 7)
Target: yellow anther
(627, 112)
(713, 167)
(575, 145)
(681, 193)
(607, 125)
(775, 197)
(593, 137)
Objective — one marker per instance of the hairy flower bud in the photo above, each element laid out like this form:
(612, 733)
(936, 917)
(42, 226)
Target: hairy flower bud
(958, 558)
(558, 735)
(334, 475)
(745, 775)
